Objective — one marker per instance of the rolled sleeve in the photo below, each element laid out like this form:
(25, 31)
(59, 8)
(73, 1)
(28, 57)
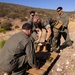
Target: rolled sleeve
(47, 26)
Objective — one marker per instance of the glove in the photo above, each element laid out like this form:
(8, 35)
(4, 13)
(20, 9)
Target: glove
(64, 27)
(44, 43)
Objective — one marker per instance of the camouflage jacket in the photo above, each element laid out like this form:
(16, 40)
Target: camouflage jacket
(45, 22)
(64, 18)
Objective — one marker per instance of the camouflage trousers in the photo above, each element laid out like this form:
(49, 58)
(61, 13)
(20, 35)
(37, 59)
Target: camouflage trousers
(66, 37)
(54, 39)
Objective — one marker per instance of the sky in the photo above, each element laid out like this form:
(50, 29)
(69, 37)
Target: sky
(68, 5)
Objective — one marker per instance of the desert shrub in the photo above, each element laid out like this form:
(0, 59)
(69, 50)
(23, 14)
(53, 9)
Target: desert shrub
(6, 26)
(16, 27)
(15, 15)
(2, 30)
(23, 19)
(2, 14)
(2, 42)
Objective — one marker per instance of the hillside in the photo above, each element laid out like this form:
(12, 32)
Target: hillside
(19, 11)
(18, 14)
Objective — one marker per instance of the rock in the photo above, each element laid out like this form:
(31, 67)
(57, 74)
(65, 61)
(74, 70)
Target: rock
(59, 69)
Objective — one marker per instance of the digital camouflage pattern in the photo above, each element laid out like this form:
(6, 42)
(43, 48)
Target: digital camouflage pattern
(53, 23)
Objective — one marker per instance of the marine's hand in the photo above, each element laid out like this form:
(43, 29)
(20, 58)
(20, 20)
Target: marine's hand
(64, 27)
(35, 68)
(44, 43)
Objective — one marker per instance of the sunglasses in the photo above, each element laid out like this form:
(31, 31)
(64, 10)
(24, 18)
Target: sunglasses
(32, 15)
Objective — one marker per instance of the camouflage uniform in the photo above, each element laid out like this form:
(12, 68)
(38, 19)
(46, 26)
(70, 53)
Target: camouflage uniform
(17, 51)
(33, 35)
(56, 27)
(46, 33)
(46, 25)
(64, 29)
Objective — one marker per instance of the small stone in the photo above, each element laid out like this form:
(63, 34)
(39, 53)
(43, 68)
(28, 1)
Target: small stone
(66, 66)
(67, 62)
(73, 54)
(59, 69)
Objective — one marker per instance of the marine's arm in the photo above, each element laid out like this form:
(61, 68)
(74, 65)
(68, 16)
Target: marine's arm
(48, 28)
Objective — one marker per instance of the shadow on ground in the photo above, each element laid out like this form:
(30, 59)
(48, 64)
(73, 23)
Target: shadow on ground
(42, 57)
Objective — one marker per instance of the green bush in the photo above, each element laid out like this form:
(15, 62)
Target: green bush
(6, 26)
(2, 30)
(16, 27)
(14, 15)
(23, 19)
(2, 42)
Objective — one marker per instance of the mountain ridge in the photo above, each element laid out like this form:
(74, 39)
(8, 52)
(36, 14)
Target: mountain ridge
(20, 11)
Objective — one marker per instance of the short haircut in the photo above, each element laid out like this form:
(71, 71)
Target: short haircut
(59, 8)
(32, 12)
(26, 26)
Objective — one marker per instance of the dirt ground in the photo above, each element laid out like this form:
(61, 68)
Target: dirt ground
(65, 65)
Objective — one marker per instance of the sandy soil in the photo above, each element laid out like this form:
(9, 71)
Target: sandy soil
(65, 65)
